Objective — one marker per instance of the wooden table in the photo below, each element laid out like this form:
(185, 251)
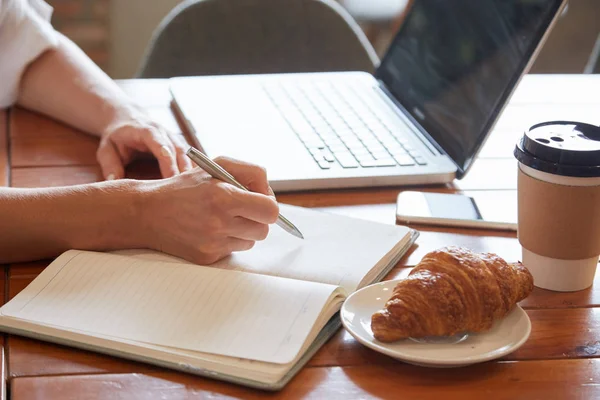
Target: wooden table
(560, 359)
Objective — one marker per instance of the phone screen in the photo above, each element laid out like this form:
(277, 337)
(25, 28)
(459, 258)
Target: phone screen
(495, 210)
(453, 206)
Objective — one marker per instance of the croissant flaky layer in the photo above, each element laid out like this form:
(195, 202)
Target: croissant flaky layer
(452, 290)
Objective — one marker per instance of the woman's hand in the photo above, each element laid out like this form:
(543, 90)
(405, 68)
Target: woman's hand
(64, 84)
(202, 219)
(128, 137)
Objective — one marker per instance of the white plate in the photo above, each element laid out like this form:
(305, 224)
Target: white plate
(506, 335)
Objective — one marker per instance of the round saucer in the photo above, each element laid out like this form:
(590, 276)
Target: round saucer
(506, 335)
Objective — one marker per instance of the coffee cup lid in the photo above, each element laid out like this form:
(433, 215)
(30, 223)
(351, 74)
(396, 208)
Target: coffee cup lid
(565, 148)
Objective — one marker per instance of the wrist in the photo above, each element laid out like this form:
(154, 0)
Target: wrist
(112, 216)
(149, 205)
(127, 201)
(126, 113)
(42, 223)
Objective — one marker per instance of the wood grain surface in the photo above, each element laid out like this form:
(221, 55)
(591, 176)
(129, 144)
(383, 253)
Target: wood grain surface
(558, 361)
(526, 380)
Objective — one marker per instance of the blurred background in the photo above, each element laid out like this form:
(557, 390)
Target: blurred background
(115, 33)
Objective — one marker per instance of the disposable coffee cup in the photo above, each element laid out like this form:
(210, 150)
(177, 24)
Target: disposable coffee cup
(559, 203)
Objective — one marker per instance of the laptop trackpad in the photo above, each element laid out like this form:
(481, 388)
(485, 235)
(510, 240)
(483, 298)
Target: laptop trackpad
(242, 122)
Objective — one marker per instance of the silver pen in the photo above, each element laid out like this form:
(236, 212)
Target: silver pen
(217, 172)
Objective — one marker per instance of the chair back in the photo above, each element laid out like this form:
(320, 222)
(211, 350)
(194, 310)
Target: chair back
(218, 37)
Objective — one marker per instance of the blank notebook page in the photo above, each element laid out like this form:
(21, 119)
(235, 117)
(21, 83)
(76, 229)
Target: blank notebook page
(336, 249)
(176, 305)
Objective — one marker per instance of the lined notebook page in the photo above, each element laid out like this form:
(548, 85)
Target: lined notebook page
(337, 249)
(176, 305)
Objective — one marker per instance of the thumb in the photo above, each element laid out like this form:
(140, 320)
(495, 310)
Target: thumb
(110, 161)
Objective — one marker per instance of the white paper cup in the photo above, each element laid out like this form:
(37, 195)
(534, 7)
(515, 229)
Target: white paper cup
(559, 204)
(553, 273)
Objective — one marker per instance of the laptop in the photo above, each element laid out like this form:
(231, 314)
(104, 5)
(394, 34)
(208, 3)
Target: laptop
(420, 119)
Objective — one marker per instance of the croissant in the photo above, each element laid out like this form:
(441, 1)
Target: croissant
(452, 290)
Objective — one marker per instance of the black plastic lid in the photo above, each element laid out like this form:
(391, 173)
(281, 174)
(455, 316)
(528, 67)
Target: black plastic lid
(562, 148)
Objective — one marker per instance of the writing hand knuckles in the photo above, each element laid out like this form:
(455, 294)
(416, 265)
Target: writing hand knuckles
(215, 226)
(224, 197)
(200, 177)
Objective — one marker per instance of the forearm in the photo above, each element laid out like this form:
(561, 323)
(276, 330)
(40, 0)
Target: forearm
(66, 85)
(42, 223)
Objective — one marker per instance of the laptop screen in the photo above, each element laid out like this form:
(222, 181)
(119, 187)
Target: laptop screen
(454, 63)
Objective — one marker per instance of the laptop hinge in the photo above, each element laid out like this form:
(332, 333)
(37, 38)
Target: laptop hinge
(427, 140)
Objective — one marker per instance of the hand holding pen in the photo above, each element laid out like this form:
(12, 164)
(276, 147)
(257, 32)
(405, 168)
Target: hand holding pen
(217, 172)
(202, 219)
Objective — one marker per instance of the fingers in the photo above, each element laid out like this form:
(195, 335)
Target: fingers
(239, 203)
(164, 151)
(110, 161)
(170, 153)
(145, 136)
(229, 246)
(252, 176)
(183, 161)
(235, 244)
(225, 248)
(242, 228)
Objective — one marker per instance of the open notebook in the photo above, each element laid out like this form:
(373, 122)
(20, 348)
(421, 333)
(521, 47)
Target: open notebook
(254, 318)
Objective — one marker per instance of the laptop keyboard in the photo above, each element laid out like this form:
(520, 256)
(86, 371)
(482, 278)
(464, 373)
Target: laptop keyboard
(340, 129)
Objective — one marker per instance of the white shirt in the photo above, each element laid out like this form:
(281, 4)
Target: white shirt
(25, 33)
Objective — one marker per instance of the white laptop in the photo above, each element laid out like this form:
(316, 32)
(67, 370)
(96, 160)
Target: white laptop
(421, 119)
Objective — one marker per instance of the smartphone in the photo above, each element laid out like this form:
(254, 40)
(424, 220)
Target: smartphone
(491, 210)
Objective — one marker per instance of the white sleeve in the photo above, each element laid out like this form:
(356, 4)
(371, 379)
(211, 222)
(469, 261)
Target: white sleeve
(25, 33)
